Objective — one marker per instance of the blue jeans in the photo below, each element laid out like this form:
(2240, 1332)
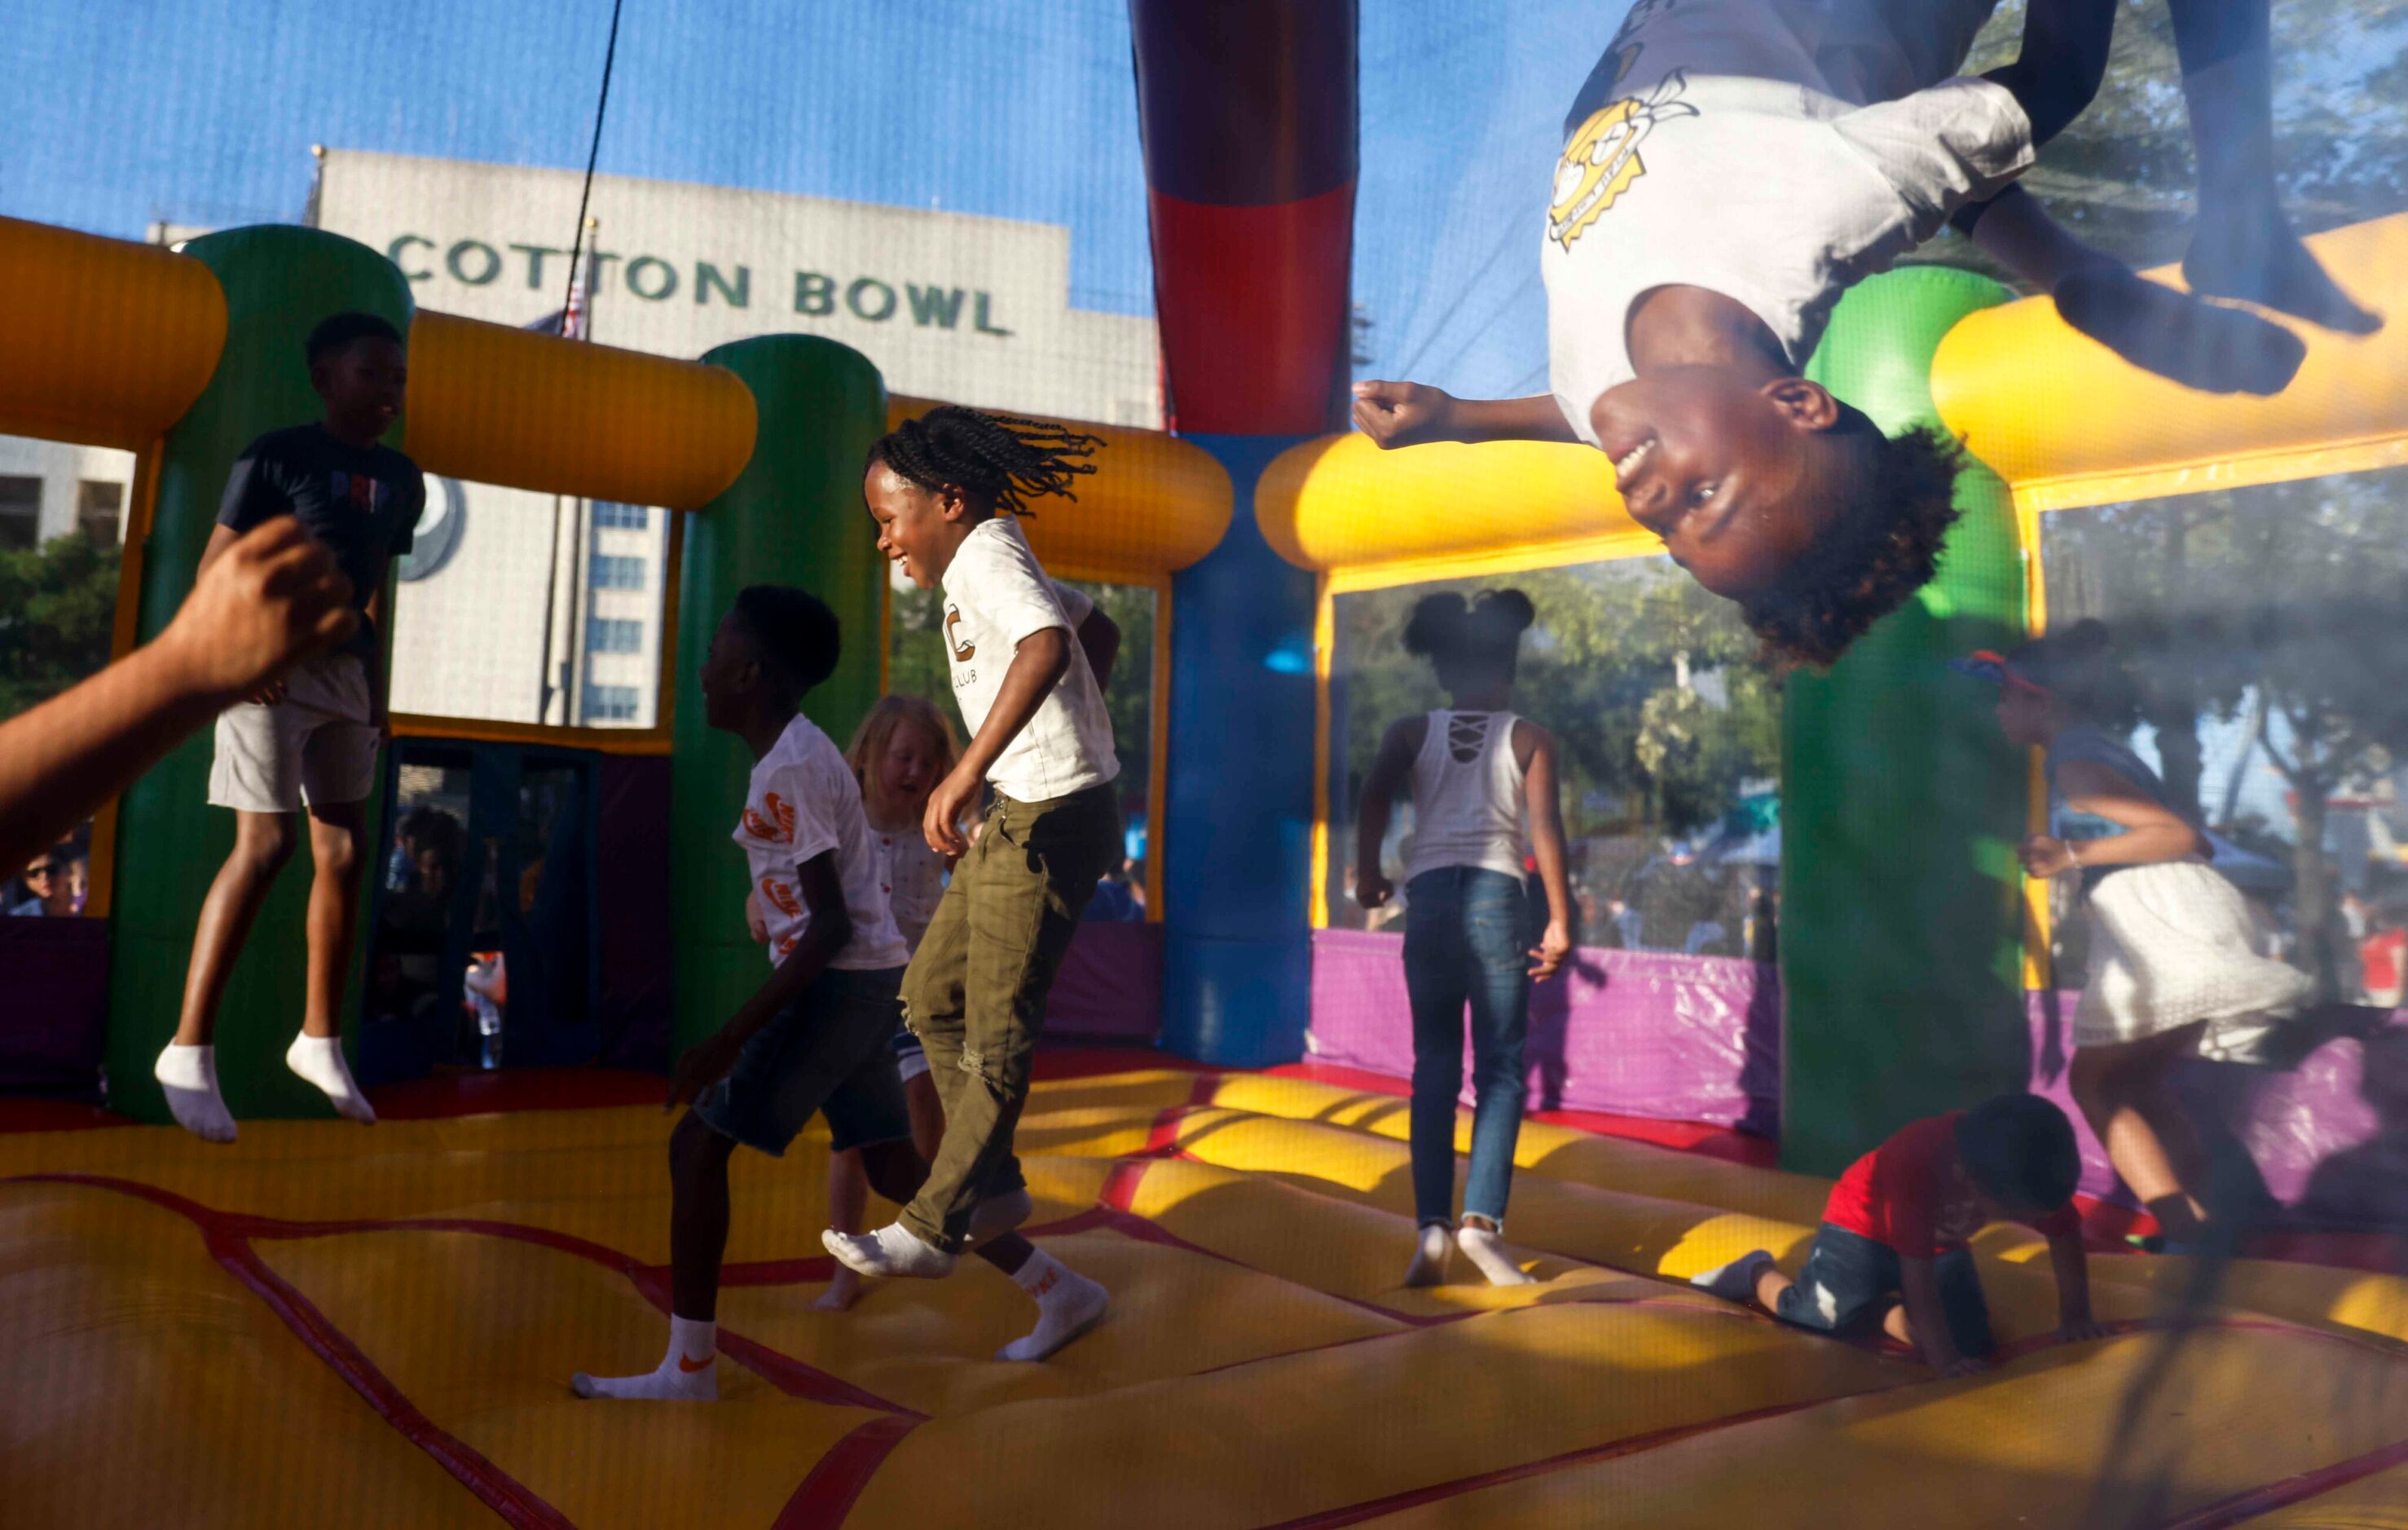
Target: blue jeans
(1848, 1280)
(1465, 942)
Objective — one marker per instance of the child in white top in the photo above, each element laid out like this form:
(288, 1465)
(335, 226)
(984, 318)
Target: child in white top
(1476, 771)
(945, 491)
(815, 1038)
(1733, 166)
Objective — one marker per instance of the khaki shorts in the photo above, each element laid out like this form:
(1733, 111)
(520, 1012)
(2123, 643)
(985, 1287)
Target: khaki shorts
(315, 745)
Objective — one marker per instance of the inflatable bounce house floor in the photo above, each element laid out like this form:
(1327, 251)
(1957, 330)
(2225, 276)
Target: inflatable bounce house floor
(327, 1324)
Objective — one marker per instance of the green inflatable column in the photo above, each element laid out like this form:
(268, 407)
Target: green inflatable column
(279, 281)
(794, 517)
(1902, 805)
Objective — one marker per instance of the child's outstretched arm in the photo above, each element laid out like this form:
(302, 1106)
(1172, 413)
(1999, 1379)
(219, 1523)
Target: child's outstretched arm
(1545, 802)
(1397, 414)
(264, 600)
(2071, 1267)
(1394, 762)
(1927, 1318)
(830, 929)
(1037, 666)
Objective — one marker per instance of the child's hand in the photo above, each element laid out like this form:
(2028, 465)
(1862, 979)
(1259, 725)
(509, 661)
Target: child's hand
(1553, 947)
(273, 597)
(1372, 890)
(1396, 414)
(2045, 856)
(705, 1064)
(754, 926)
(948, 805)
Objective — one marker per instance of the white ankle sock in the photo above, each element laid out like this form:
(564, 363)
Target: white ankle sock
(843, 1290)
(319, 1059)
(687, 1374)
(893, 1250)
(1068, 1305)
(188, 1077)
(1484, 1249)
(1428, 1267)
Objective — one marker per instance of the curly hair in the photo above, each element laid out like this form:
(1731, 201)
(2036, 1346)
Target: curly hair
(336, 331)
(1000, 460)
(1883, 547)
(1486, 631)
(798, 637)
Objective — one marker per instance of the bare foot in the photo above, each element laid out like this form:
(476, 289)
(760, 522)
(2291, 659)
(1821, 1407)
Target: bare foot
(2245, 247)
(2189, 339)
(842, 1293)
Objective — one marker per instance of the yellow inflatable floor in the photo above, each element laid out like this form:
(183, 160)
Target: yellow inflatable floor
(329, 1324)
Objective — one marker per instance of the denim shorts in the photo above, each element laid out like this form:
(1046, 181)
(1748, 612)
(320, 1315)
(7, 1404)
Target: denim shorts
(829, 1052)
(1848, 1280)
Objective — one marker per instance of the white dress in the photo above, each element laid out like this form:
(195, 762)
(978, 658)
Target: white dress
(2172, 944)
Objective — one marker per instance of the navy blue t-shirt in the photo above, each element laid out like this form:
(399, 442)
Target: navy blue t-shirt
(362, 503)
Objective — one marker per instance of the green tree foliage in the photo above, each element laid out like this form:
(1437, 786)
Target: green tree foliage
(2123, 176)
(58, 607)
(916, 666)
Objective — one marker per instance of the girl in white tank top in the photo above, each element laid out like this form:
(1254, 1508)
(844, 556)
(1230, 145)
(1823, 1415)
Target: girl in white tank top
(1476, 773)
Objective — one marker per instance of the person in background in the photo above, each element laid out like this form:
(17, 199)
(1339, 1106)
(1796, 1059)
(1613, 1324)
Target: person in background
(1476, 772)
(2172, 968)
(1894, 1251)
(29, 896)
(311, 738)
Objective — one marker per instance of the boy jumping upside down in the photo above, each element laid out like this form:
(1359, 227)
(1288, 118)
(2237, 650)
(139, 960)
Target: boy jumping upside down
(1733, 166)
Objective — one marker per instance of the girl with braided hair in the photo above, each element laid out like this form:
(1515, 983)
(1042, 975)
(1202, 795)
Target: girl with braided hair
(946, 492)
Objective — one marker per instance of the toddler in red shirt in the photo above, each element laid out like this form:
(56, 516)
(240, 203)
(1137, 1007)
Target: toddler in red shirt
(1893, 1248)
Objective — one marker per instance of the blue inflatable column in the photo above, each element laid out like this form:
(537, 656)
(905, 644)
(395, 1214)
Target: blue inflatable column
(1248, 112)
(1238, 839)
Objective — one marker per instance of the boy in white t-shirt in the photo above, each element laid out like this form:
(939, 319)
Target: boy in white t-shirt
(945, 490)
(816, 1037)
(1732, 166)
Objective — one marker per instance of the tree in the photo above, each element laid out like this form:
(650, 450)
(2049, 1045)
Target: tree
(2122, 174)
(58, 612)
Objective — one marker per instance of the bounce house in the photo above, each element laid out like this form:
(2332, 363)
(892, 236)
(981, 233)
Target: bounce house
(321, 1323)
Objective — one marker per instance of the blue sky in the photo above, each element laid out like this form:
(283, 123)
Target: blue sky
(203, 112)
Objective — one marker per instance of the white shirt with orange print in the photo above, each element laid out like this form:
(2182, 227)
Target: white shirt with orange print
(1776, 151)
(802, 803)
(996, 595)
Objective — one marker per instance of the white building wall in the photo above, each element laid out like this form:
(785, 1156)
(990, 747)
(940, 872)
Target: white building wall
(948, 305)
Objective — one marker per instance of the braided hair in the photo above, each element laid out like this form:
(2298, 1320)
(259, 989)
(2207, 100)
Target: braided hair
(999, 460)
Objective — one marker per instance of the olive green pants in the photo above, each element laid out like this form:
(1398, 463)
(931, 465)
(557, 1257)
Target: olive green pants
(975, 993)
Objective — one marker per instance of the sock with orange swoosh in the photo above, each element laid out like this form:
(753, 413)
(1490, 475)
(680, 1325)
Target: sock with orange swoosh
(687, 1374)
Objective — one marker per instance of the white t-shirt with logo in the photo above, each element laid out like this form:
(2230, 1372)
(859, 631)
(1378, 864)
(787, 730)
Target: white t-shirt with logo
(802, 804)
(1776, 151)
(997, 596)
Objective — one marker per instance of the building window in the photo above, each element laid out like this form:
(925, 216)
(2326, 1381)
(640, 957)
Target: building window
(609, 512)
(613, 573)
(614, 634)
(99, 505)
(610, 703)
(20, 512)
